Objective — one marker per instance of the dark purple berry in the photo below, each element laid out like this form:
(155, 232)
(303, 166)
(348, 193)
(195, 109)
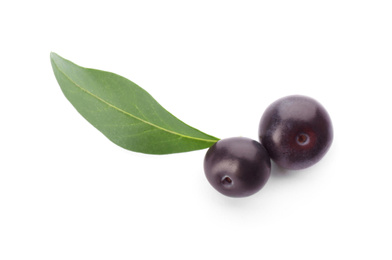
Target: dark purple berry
(296, 131)
(237, 167)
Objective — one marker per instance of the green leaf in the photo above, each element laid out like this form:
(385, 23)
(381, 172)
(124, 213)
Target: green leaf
(124, 112)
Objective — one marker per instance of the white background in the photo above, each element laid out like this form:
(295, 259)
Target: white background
(67, 192)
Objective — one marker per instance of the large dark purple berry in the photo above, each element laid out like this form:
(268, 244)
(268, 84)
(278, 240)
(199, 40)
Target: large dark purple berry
(237, 167)
(296, 131)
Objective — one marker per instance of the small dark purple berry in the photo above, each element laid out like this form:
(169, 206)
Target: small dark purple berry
(296, 131)
(237, 167)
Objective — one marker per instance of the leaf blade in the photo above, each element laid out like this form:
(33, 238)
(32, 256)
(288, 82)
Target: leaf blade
(122, 111)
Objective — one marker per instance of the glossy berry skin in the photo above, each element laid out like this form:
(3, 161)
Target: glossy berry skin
(296, 131)
(237, 167)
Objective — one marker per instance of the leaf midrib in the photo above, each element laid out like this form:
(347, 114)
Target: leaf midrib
(127, 113)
